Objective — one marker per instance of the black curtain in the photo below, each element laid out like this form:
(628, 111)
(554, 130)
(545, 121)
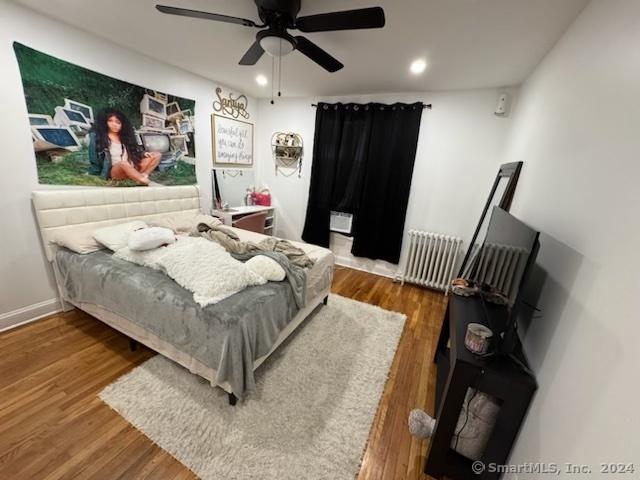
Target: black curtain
(340, 151)
(363, 158)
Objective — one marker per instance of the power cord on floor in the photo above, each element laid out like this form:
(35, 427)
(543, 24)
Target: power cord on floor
(466, 418)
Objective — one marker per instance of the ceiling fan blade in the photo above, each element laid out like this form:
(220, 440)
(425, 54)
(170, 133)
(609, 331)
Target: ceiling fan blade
(183, 12)
(347, 20)
(253, 54)
(318, 55)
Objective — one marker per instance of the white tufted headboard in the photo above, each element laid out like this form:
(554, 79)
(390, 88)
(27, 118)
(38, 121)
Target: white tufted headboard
(58, 210)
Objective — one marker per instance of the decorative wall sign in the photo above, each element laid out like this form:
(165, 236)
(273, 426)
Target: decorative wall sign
(232, 142)
(75, 113)
(234, 107)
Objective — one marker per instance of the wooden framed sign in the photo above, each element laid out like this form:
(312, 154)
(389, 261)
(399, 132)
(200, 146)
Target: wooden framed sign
(232, 142)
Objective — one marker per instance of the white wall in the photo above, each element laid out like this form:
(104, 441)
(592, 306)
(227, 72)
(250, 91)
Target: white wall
(577, 130)
(459, 151)
(26, 287)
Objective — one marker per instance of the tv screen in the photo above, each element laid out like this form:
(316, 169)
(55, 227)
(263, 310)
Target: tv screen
(75, 116)
(86, 111)
(156, 106)
(38, 121)
(185, 127)
(156, 142)
(506, 255)
(172, 108)
(58, 136)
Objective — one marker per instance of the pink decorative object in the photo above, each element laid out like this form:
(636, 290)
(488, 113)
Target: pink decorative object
(262, 198)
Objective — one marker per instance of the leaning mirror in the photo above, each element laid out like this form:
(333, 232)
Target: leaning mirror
(501, 195)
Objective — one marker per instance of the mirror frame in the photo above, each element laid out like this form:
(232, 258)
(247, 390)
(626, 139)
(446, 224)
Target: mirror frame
(215, 191)
(506, 170)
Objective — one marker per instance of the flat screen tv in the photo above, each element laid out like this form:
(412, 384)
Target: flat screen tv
(504, 261)
(507, 253)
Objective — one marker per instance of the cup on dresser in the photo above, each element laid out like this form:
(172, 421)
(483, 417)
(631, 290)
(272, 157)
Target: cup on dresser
(478, 338)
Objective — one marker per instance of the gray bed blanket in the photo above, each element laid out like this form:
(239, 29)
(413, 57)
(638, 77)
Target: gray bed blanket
(227, 336)
(232, 244)
(296, 276)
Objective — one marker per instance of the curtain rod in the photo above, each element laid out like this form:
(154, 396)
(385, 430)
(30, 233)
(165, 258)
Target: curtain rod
(424, 105)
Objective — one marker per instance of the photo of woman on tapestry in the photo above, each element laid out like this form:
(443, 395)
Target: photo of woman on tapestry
(114, 152)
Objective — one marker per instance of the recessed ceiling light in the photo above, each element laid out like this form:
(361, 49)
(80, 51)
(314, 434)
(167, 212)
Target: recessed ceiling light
(418, 66)
(262, 80)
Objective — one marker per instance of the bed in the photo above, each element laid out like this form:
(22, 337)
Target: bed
(131, 298)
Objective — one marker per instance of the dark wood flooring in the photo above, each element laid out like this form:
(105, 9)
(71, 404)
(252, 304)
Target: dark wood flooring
(53, 425)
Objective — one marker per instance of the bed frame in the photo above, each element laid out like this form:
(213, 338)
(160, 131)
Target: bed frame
(75, 209)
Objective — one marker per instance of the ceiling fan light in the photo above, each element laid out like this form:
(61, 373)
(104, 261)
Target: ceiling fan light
(276, 46)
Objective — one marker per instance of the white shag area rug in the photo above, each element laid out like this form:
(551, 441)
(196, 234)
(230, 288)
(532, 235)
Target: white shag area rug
(308, 419)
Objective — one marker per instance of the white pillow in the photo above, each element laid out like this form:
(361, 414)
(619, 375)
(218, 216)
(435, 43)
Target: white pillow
(266, 267)
(79, 240)
(151, 237)
(116, 237)
(181, 222)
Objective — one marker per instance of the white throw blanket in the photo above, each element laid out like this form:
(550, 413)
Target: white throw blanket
(199, 265)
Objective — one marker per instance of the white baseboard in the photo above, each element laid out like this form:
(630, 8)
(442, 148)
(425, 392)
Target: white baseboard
(28, 314)
(370, 266)
(341, 245)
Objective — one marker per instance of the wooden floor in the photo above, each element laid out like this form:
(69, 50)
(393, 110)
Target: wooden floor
(52, 424)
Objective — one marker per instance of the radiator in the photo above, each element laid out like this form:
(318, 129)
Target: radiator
(501, 267)
(431, 260)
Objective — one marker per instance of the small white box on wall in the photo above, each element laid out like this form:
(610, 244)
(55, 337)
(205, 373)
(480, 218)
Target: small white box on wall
(503, 105)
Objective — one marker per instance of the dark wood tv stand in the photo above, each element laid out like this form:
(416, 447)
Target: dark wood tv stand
(458, 369)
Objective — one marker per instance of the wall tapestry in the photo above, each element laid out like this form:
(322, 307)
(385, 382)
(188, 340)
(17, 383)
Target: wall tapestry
(92, 129)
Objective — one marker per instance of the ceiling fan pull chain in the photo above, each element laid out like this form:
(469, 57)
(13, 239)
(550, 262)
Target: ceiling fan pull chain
(280, 70)
(272, 79)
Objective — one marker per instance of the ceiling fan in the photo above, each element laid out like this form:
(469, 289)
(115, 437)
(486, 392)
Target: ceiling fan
(278, 16)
